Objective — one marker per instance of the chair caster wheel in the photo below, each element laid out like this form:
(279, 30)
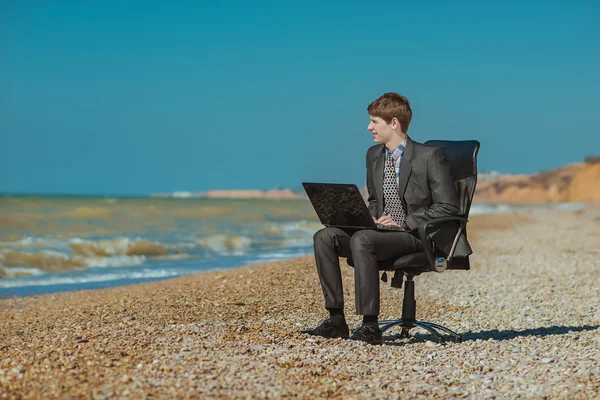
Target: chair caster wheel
(458, 339)
(404, 334)
(441, 340)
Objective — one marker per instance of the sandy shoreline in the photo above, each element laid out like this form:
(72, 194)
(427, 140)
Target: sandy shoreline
(529, 310)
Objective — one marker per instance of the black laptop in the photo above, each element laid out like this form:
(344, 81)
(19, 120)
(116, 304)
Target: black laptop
(341, 205)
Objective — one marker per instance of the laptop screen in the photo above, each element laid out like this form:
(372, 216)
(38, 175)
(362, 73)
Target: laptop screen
(338, 204)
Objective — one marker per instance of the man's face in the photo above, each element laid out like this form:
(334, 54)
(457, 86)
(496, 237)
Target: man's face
(382, 131)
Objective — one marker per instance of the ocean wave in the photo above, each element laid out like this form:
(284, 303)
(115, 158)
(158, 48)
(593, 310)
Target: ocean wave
(35, 242)
(120, 252)
(229, 243)
(120, 246)
(19, 272)
(171, 257)
(299, 233)
(49, 261)
(56, 262)
(292, 227)
(115, 261)
(111, 247)
(278, 255)
(48, 280)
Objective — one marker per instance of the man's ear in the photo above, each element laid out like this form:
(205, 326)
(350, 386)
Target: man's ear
(395, 123)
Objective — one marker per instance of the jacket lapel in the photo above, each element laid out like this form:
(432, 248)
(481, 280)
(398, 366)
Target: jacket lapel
(378, 177)
(405, 167)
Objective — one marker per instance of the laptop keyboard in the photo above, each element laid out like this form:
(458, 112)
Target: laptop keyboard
(391, 228)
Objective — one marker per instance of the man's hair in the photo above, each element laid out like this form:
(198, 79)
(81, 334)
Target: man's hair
(392, 105)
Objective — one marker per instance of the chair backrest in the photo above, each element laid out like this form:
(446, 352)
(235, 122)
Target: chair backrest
(462, 158)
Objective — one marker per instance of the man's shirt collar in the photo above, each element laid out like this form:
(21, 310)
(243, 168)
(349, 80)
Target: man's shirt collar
(398, 151)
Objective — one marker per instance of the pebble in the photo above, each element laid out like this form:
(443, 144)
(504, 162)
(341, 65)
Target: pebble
(476, 376)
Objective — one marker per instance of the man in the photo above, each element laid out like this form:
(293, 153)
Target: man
(408, 183)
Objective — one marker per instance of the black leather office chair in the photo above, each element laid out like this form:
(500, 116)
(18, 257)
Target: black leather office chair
(462, 158)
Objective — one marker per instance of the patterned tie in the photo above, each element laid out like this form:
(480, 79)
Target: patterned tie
(393, 205)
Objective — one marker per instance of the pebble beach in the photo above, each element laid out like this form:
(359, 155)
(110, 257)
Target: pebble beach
(528, 310)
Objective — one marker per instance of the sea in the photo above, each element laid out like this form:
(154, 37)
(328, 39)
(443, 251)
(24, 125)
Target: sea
(52, 244)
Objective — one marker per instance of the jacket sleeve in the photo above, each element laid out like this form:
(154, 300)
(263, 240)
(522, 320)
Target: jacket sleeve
(444, 197)
(372, 199)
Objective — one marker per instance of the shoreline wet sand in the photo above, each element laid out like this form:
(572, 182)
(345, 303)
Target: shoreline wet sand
(529, 311)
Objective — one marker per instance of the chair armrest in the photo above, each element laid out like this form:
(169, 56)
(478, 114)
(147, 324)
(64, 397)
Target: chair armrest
(423, 230)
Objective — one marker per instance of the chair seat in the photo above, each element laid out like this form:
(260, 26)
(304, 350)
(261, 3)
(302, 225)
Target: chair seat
(414, 260)
(409, 261)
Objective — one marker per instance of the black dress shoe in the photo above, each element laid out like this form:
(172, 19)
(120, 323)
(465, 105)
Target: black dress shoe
(367, 333)
(328, 330)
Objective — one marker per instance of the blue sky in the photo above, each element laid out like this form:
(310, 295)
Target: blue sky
(110, 98)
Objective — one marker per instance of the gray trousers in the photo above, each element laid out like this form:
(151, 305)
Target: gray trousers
(365, 247)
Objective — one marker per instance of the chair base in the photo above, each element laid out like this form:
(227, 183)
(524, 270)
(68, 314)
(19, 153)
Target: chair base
(428, 326)
(409, 320)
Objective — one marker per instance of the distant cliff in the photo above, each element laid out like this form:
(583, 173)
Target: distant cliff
(576, 183)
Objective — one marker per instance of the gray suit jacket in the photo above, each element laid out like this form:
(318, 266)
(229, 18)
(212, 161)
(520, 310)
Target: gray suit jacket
(426, 189)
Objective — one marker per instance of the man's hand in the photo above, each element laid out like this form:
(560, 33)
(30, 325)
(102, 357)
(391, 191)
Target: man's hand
(386, 220)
